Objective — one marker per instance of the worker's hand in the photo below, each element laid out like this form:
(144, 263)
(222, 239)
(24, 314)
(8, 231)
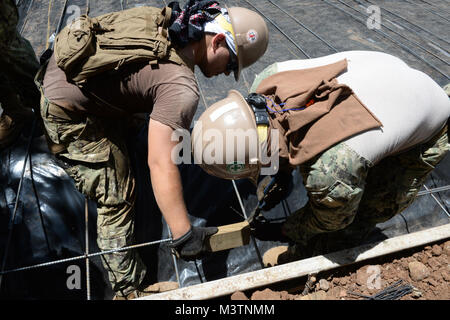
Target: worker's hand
(272, 189)
(192, 244)
(265, 230)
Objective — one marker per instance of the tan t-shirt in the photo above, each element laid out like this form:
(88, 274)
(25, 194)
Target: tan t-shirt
(169, 92)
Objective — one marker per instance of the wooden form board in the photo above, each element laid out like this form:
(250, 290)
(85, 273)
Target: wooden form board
(230, 236)
(259, 278)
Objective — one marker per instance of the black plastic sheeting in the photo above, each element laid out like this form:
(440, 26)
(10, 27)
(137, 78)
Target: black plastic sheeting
(57, 230)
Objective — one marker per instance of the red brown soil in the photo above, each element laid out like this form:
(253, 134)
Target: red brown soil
(425, 268)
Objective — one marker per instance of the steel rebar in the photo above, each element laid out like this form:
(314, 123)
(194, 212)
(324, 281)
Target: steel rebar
(411, 23)
(279, 29)
(86, 232)
(437, 46)
(431, 11)
(252, 238)
(90, 255)
(390, 38)
(304, 26)
(434, 190)
(438, 202)
(399, 34)
(26, 17)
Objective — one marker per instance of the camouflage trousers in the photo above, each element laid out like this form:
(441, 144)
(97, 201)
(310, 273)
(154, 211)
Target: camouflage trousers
(96, 158)
(348, 196)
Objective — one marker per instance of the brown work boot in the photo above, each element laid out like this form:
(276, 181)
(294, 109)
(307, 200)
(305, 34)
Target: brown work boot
(285, 254)
(270, 257)
(293, 253)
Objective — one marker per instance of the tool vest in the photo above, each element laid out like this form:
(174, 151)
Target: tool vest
(91, 46)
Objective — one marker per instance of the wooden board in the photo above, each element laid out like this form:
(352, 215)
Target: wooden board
(293, 270)
(230, 236)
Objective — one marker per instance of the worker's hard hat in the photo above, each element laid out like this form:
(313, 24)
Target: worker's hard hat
(251, 36)
(225, 141)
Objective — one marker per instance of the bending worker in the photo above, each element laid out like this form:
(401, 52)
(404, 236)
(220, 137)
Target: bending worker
(140, 60)
(364, 128)
(18, 65)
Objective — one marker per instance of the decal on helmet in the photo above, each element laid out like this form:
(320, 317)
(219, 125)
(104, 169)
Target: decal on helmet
(235, 167)
(252, 35)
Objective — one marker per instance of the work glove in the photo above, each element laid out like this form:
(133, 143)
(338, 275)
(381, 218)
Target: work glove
(192, 244)
(266, 230)
(272, 189)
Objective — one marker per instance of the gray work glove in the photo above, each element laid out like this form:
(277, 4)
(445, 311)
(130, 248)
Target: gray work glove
(192, 244)
(272, 189)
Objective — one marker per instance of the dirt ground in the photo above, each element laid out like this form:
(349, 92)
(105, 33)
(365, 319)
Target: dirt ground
(426, 269)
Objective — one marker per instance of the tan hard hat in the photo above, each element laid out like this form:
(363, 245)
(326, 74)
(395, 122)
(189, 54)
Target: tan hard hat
(251, 36)
(225, 142)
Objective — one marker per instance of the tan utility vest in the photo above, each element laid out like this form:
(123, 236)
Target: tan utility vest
(91, 46)
(318, 111)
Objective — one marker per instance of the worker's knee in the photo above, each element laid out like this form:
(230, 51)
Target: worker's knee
(330, 208)
(336, 177)
(335, 184)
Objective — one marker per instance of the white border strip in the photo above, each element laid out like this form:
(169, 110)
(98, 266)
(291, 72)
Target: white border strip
(255, 279)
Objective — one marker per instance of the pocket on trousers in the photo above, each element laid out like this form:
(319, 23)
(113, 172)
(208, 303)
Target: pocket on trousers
(90, 145)
(334, 196)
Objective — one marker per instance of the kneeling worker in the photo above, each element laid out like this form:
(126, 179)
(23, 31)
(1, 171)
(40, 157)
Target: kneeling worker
(364, 128)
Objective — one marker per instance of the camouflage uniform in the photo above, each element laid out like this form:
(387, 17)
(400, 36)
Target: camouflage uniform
(93, 152)
(18, 65)
(348, 196)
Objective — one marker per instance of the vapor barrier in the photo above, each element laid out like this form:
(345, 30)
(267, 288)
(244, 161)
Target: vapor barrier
(49, 224)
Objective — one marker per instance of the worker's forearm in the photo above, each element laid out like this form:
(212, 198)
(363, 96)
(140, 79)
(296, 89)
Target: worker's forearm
(168, 191)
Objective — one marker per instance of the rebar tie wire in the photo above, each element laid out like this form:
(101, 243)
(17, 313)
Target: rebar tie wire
(393, 292)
